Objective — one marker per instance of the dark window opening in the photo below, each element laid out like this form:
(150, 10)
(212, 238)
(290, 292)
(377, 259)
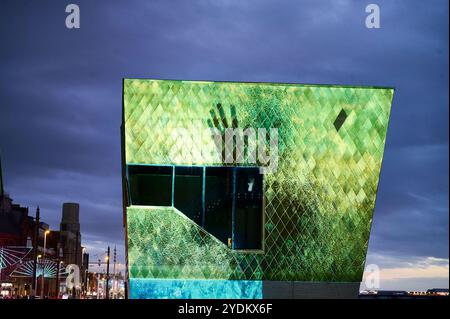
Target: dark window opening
(248, 209)
(188, 192)
(340, 119)
(150, 185)
(218, 202)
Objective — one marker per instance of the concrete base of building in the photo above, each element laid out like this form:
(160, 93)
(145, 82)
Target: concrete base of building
(310, 290)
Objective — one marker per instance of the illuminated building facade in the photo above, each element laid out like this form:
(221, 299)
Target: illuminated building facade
(288, 214)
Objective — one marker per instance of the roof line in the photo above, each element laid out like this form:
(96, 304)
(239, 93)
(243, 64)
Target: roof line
(267, 83)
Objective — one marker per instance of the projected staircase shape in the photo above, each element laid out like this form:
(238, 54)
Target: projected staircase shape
(165, 243)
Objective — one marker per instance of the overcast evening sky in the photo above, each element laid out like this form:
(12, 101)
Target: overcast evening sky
(60, 101)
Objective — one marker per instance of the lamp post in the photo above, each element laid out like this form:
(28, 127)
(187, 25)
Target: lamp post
(35, 252)
(107, 273)
(84, 267)
(57, 277)
(98, 285)
(43, 265)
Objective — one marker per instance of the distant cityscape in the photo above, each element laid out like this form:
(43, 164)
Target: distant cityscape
(34, 257)
(400, 294)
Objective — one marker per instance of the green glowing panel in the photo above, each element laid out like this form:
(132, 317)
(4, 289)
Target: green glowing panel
(195, 289)
(318, 203)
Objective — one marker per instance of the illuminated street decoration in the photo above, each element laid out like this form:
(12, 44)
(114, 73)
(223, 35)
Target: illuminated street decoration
(47, 267)
(11, 255)
(317, 204)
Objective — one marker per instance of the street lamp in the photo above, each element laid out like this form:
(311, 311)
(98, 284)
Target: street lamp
(83, 264)
(60, 262)
(107, 274)
(43, 254)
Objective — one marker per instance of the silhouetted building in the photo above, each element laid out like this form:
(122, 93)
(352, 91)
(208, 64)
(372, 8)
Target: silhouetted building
(15, 224)
(70, 236)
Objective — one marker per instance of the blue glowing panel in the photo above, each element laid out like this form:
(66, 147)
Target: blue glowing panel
(195, 289)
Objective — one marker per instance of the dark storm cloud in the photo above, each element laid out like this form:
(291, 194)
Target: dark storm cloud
(60, 94)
